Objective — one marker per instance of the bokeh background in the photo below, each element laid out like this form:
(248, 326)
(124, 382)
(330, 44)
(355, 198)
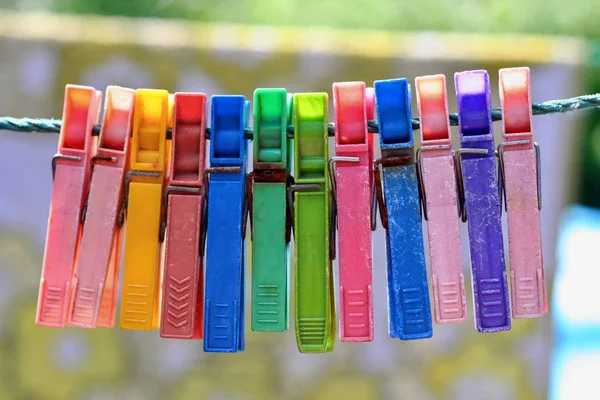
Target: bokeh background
(233, 47)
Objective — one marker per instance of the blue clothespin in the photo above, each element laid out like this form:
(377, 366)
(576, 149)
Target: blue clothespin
(399, 204)
(224, 226)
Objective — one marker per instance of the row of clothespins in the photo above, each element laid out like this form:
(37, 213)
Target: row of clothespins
(176, 211)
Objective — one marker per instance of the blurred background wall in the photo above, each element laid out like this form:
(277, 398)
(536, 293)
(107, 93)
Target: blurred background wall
(221, 53)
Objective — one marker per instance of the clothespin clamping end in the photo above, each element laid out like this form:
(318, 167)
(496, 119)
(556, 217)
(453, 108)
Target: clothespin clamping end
(182, 314)
(223, 219)
(352, 192)
(266, 186)
(520, 180)
(71, 174)
(439, 200)
(96, 281)
(409, 313)
(143, 202)
(478, 185)
(308, 200)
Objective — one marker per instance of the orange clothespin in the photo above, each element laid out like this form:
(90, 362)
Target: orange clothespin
(96, 282)
(70, 172)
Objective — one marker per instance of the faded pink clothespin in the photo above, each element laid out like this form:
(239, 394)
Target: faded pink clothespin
(440, 202)
(70, 171)
(96, 281)
(520, 180)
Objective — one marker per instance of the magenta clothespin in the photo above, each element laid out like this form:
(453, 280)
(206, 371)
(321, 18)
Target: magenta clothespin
(439, 197)
(353, 189)
(71, 172)
(520, 180)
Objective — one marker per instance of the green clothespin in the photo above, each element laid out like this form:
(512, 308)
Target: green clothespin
(266, 187)
(309, 202)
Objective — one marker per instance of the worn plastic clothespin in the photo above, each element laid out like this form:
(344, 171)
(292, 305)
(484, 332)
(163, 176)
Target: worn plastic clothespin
(480, 202)
(409, 311)
(71, 175)
(520, 180)
(224, 219)
(352, 189)
(308, 200)
(96, 282)
(143, 202)
(182, 291)
(439, 200)
(266, 187)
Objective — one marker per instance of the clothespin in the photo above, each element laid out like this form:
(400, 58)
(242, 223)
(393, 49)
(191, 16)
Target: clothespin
(96, 282)
(520, 179)
(140, 301)
(224, 219)
(352, 190)
(409, 312)
(439, 200)
(71, 174)
(266, 186)
(182, 315)
(308, 200)
(480, 202)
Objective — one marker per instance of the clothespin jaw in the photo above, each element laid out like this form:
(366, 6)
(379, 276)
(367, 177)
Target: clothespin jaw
(478, 180)
(520, 180)
(143, 202)
(70, 172)
(309, 202)
(224, 216)
(182, 314)
(439, 199)
(267, 186)
(352, 191)
(96, 280)
(409, 312)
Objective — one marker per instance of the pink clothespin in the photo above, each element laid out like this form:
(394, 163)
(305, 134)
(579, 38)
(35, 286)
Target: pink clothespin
(520, 180)
(353, 194)
(96, 282)
(439, 198)
(70, 171)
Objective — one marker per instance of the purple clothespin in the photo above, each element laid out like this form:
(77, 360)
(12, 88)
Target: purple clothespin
(480, 202)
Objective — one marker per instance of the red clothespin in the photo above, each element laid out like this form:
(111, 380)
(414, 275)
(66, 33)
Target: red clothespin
(96, 282)
(353, 194)
(182, 315)
(520, 180)
(70, 171)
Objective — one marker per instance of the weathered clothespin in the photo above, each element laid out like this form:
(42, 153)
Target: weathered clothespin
(308, 200)
(224, 219)
(182, 314)
(270, 223)
(96, 282)
(480, 202)
(352, 190)
(439, 200)
(140, 301)
(520, 179)
(409, 311)
(71, 175)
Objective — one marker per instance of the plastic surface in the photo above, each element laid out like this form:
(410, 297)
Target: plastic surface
(270, 250)
(482, 203)
(141, 268)
(409, 310)
(528, 284)
(440, 190)
(98, 267)
(354, 194)
(182, 314)
(314, 298)
(225, 252)
(71, 180)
